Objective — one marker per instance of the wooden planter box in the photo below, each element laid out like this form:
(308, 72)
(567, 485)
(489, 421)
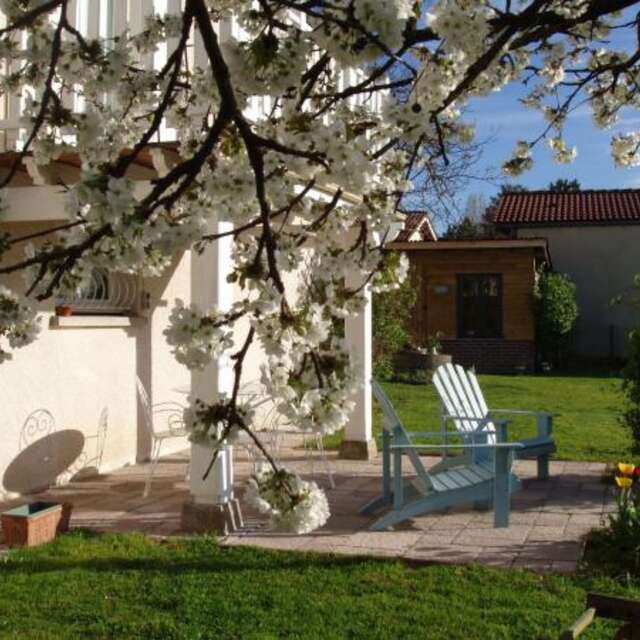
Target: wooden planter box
(35, 523)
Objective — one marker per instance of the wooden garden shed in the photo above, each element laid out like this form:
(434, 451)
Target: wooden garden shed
(479, 295)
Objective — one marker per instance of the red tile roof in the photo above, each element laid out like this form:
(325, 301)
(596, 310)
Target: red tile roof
(416, 223)
(570, 208)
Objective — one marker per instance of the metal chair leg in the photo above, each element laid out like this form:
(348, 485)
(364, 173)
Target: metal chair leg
(325, 460)
(309, 456)
(152, 469)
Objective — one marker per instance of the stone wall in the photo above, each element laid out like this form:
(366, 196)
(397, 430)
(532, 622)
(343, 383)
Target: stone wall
(492, 355)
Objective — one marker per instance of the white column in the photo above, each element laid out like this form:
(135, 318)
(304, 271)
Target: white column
(359, 442)
(210, 289)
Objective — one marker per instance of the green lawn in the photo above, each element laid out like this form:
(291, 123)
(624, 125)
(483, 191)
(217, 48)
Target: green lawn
(586, 429)
(130, 587)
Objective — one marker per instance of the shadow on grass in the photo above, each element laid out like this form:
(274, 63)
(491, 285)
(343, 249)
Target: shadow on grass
(222, 560)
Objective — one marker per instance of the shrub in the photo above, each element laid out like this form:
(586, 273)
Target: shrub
(391, 313)
(556, 312)
(631, 387)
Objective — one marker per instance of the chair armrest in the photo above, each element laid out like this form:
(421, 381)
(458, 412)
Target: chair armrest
(495, 445)
(430, 434)
(523, 412)
(544, 419)
(167, 406)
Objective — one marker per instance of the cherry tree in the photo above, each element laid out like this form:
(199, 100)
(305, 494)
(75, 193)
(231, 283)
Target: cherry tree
(419, 64)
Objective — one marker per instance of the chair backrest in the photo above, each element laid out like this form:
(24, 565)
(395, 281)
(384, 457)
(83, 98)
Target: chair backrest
(390, 419)
(143, 397)
(39, 424)
(392, 423)
(461, 395)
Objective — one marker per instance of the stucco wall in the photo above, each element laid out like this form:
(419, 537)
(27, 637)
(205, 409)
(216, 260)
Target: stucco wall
(602, 262)
(76, 372)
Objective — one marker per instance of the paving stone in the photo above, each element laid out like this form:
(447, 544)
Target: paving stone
(449, 554)
(385, 539)
(541, 534)
(437, 539)
(266, 541)
(552, 520)
(507, 545)
(549, 518)
(533, 565)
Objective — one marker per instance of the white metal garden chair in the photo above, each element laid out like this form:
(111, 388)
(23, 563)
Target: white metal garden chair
(164, 420)
(275, 429)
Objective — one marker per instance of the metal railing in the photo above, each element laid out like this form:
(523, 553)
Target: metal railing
(105, 19)
(105, 294)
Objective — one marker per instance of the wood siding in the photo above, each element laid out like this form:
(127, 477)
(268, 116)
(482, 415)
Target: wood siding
(437, 269)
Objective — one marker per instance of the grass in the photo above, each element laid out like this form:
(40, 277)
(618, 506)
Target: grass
(587, 427)
(129, 586)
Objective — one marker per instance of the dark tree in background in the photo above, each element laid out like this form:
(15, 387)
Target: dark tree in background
(562, 185)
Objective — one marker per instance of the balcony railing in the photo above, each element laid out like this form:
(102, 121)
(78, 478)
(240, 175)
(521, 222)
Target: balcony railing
(104, 19)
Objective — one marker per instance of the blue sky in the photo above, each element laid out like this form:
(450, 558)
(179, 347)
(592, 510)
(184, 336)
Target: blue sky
(500, 119)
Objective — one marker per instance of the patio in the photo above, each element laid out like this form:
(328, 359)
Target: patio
(549, 519)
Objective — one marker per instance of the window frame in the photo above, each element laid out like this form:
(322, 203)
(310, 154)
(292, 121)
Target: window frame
(499, 335)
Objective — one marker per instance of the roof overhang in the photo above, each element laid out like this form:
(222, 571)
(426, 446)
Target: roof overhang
(150, 163)
(539, 246)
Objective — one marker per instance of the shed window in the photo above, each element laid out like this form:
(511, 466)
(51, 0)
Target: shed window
(479, 305)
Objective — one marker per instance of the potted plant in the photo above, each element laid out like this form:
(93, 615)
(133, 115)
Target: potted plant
(435, 357)
(63, 310)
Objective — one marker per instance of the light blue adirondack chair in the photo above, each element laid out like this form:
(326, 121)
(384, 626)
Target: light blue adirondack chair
(481, 476)
(463, 404)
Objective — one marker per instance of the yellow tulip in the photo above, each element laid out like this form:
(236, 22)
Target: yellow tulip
(623, 483)
(626, 468)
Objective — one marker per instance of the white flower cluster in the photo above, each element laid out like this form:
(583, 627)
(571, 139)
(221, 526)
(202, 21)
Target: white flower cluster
(520, 161)
(562, 153)
(209, 425)
(553, 67)
(197, 338)
(463, 24)
(570, 8)
(293, 504)
(385, 20)
(625, 149)
(19, 323)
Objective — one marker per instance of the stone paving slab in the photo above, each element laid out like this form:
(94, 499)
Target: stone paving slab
(549, 519)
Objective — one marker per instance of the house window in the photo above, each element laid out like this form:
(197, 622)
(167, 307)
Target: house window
(479, 305)
(105, 294)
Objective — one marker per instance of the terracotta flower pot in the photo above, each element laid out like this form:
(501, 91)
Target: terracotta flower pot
(63, 310)
(35, 523)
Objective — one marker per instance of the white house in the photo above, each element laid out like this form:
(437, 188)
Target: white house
(83, 367)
